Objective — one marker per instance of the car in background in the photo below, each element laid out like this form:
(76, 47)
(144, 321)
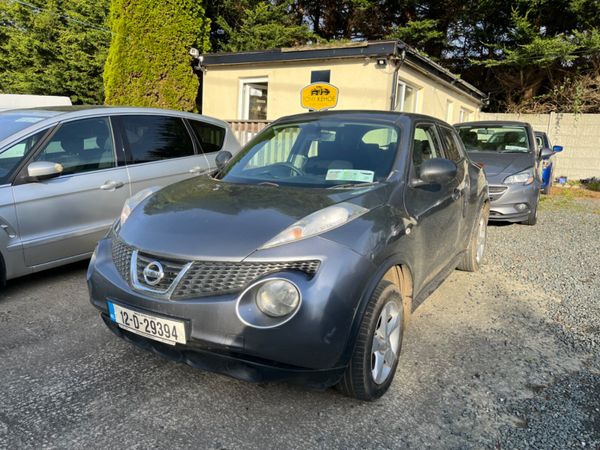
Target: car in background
(543, 141)
(65, 173)
(303, 258)
(508, 153)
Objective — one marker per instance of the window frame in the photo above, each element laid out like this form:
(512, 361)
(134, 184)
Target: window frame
(401, 96)
(412, 173)
(243, 107)
(456, 139)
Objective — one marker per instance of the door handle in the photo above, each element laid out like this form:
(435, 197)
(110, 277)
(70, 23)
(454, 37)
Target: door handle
(110, 185)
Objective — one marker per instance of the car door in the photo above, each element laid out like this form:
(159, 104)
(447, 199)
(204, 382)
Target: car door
(435, 209)
(160, 150)
(65, 216)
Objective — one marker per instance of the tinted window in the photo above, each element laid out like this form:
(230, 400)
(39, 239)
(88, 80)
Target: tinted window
(453, 152)
(11, 156)
(425, 146)
(81, 146)
(153, 138)
(318, 153)
(211, 137)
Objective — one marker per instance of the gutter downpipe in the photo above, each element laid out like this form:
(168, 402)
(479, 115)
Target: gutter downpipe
(398, 61)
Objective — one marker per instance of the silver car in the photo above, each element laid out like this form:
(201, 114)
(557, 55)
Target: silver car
(65, 173)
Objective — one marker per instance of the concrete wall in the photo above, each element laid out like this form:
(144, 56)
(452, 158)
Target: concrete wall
(361, 83)
(579, 134)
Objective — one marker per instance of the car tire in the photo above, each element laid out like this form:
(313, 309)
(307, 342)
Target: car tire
(373, 364)
(532, 217)
(473, 256)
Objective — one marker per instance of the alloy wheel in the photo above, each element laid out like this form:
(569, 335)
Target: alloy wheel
(386, 343)
(481, 238)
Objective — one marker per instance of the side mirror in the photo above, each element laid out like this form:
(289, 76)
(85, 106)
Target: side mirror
(546, 153)
(436, 171)
(43, 170)
(222, 158)
(557, 148)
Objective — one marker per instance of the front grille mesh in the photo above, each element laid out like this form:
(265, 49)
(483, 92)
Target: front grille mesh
(121, 255)
(204, 278)
(496, 192)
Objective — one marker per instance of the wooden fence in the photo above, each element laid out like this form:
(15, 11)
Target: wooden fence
(244, 130)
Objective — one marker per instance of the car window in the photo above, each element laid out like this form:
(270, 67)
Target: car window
(425, 146)
(11, 156)
(154, 138)
(317, 153)
(452, 148)
(13, 122)
(81, 146)
(210, 136)
(500, 138)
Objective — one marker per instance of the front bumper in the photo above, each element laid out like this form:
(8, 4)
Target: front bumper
(504, 199)
(308, 347)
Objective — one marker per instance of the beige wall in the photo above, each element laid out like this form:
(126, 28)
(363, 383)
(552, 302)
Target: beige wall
(579, 134)
(361, 84)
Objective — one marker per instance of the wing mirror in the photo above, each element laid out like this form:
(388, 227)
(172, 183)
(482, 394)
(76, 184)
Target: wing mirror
(436, 171)
(43, 170)
(222, 158)
(557, 148)
(546, 153)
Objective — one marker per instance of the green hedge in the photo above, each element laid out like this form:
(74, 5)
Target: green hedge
(148, 63)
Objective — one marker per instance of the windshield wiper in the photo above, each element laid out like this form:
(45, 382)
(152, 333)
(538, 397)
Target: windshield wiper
(353, 185)
(268, 183)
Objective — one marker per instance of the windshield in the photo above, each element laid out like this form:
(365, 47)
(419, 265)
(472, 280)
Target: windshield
(501, 139)
(318, 153)
(11, 123)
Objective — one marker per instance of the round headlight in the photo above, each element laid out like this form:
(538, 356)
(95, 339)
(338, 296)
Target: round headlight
(277, 298)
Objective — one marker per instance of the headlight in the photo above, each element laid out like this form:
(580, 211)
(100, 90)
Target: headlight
(277, 298)
(135, 200)
(318, 222)
(524, 177)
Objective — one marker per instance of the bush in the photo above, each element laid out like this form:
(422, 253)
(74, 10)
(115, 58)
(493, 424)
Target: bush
(148, 62)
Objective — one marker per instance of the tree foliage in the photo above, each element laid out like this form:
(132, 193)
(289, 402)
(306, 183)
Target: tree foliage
(54, 48)
(147, 63)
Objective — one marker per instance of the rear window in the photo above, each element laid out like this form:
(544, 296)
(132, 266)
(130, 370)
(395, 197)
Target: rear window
(154, 138)
(210, 136)
(500, 139)
(11, 123)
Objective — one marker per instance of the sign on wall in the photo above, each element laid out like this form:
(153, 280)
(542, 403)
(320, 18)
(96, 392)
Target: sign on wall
(319, 96)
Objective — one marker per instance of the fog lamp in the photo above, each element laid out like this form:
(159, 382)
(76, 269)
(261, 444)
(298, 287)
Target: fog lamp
(277, 298)
(521, 206)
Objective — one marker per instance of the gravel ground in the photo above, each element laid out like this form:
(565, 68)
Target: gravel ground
(501, 359)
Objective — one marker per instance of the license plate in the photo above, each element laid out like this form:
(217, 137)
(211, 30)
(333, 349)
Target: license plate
(164, 330)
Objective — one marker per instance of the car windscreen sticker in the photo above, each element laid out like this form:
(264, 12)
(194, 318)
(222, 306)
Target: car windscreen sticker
(363, 176)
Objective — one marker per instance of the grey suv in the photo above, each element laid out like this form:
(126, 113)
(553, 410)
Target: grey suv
(65, 173)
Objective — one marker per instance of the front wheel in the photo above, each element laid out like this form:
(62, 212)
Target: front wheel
(473, 256)
(533, 214)
(375, 358)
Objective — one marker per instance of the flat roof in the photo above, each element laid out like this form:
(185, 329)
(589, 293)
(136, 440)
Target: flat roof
(374, 49)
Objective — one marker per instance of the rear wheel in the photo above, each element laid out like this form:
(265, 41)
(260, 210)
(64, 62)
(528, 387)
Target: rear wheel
(375, 358)
(473, 257)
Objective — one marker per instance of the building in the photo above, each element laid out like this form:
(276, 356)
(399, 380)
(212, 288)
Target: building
(382, 75)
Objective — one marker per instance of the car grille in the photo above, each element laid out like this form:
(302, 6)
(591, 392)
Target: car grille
(203, 278)
(496, 192)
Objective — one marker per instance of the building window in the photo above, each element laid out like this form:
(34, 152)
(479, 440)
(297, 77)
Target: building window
(464, 115)
(449, 111)
(254, 99)
(406, 97)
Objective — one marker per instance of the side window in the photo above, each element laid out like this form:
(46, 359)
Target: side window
(210, 136)
(11, 157)
(425, 146)
(154, 138)
(453, 152)
(81, 146)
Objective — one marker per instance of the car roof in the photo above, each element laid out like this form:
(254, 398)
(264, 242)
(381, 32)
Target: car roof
(484, 123)
(51, 115)
(360, 114)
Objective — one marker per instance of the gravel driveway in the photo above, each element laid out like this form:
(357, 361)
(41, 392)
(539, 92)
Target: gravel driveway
(505, 358)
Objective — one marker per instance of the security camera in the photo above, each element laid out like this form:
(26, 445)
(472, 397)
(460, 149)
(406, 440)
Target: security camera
(194, 52)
